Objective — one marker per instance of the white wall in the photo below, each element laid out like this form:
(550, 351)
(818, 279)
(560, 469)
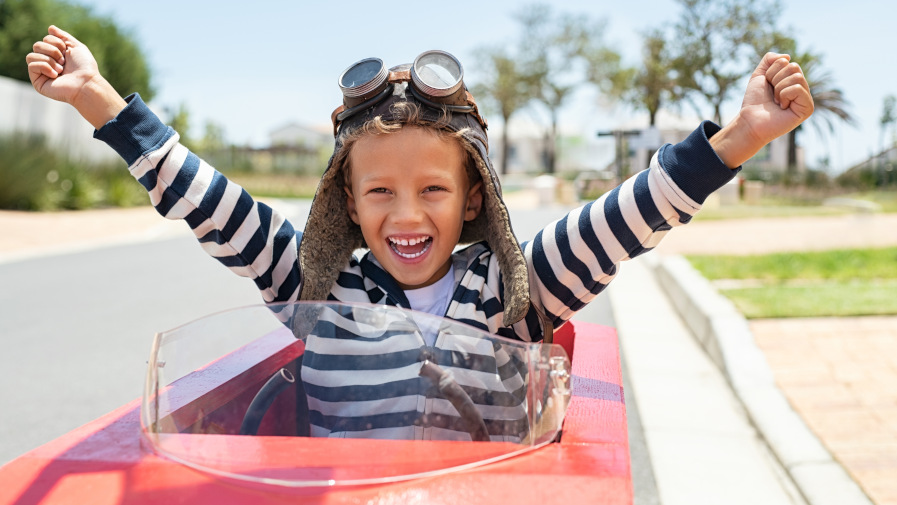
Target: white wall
(22, 109)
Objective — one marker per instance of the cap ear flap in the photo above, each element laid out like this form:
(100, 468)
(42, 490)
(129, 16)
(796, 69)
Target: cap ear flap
(330, 237)
(493, 225)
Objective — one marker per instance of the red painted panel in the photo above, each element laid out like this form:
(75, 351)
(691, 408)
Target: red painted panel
(563, 337)
(597, 412)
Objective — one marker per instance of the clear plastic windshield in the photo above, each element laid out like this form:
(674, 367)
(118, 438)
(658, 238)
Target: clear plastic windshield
(324, 394)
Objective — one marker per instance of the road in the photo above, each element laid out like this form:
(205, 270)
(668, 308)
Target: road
(77, 329)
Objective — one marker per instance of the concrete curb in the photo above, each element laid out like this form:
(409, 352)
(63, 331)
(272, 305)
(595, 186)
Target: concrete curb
(725, 335)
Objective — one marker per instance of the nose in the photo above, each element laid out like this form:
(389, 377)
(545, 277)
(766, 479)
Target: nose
(407, 210)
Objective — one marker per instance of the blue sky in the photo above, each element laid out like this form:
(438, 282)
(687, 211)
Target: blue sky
(254, 66)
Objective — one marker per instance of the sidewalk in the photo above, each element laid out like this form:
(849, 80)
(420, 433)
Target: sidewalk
(702, 446)
(840, 374)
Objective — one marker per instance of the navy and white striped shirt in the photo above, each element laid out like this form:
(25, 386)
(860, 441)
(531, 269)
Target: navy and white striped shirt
(570, 261)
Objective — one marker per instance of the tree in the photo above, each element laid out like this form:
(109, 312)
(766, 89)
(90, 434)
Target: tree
(22, 22)
(714, 46)
(555, 49)
(830, 103)
(888, 118)
(506, 87)
(213, 139)
(179, 120)
(652, 84)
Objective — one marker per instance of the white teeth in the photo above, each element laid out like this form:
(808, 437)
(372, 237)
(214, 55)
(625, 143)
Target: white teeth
(407, 242)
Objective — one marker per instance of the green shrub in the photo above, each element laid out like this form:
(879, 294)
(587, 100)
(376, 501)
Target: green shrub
(123, 191)
(25, 163)
(33, 176)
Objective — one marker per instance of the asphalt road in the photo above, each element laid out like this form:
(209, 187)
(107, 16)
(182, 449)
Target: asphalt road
(76, 328)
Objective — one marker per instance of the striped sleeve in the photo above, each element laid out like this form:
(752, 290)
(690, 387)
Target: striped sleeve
(246, 236)
(576, 257)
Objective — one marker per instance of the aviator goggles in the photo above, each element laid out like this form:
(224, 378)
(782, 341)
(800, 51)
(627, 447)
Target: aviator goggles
(435, 79)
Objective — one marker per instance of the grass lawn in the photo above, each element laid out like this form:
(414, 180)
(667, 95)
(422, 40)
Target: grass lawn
(810, 284)
(862, 298)
(837, 265)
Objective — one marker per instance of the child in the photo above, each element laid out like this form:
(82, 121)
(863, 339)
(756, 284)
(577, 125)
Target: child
(410, 180)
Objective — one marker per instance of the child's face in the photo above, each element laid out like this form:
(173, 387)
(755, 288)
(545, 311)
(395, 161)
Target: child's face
(410, 195)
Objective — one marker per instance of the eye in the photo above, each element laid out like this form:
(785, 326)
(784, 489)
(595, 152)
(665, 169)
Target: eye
(434, 188)
(378, 190)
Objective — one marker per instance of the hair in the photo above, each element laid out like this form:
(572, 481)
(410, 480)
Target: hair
(405, 114)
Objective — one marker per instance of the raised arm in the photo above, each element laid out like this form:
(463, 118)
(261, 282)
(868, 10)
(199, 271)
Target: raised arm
(573, 259)
(247, 236)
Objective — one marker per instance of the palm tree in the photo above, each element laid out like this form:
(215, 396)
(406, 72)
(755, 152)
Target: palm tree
(888, 118)
(554, 48)
(830, 104)
(650, 86)
(506, 86)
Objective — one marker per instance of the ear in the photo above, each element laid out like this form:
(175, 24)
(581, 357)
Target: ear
(350, 205)
(474, 201)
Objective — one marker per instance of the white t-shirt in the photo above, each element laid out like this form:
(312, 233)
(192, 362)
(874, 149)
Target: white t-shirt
(433, 299)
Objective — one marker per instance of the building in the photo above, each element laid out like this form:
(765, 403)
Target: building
(297, 135)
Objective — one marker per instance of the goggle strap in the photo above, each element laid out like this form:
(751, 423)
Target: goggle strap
(342, 112)
(471, 108)
(334, 120)
(475, 112)
(466, 109)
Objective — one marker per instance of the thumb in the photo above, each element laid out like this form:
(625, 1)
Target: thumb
(65, 36)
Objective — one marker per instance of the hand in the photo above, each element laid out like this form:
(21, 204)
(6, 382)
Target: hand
(777, 100)
(60, 66)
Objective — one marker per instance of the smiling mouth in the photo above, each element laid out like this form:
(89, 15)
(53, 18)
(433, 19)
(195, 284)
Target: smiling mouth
(410, 248)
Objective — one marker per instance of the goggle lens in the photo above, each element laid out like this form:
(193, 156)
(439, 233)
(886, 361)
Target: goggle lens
(363, 78)
(437, 73)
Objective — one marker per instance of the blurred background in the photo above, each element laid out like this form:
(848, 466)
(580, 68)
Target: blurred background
(578, 94)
